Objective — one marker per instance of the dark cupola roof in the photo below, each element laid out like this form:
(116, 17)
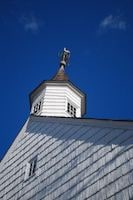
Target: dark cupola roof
(60, 75)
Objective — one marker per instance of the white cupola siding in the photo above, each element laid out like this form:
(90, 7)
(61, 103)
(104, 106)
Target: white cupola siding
(58, 97)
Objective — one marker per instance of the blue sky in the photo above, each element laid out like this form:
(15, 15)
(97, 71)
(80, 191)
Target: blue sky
(99, 36)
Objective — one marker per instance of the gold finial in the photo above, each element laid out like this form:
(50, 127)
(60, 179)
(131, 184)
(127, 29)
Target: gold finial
(65, 55)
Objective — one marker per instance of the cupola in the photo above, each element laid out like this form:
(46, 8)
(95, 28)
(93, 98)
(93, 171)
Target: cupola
(58, 97)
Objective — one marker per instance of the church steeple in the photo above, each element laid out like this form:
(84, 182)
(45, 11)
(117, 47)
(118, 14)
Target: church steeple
(58, 97)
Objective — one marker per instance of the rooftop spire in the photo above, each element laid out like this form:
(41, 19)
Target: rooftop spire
(65, 55)
(64, 58)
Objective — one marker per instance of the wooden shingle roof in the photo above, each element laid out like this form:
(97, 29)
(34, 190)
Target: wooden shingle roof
(77, 159)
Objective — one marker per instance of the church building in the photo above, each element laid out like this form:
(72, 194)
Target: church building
(60, 155)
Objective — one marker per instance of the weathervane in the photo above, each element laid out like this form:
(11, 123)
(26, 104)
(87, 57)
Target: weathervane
(64, 57)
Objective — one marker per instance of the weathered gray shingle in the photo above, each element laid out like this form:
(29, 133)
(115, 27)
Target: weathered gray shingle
(76, 159)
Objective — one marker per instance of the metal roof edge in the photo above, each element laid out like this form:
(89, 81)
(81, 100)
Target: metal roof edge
(127, 124)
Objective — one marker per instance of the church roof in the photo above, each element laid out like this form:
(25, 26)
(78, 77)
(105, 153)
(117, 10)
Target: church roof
(76, 159)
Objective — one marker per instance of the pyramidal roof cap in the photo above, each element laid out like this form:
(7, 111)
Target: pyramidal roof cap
(60, 75)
